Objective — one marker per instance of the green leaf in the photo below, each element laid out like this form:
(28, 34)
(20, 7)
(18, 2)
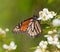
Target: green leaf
(58, 16)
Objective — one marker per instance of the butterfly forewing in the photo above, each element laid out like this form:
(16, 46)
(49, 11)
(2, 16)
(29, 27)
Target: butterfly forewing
(22, 27)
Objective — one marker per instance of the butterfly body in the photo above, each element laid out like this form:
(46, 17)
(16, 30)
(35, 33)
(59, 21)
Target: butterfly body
(30, 26)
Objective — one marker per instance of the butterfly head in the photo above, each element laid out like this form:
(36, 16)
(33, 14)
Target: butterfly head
(34, 17)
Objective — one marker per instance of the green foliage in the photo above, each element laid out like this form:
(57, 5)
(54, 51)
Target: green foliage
(14, 11)
(0, 49)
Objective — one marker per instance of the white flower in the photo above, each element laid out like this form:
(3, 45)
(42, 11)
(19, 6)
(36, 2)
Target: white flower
(43, 17)
(52, 40)
(53, 31)
(38, 47)
(50, 15)
(46, 35)
(5, 46)
(45, 10)
(6, 29)
(2, 31)
(12, 46)
(45, 14)
(58, 45)
(50, 32)
(56, 22)
(49, 39)
(53, 13)
(43, 44)
(38, 50)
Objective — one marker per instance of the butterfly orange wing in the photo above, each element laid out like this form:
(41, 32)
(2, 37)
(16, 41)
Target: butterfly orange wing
(24, 25)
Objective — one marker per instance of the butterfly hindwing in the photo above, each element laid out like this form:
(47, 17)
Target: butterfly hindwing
(34, 29)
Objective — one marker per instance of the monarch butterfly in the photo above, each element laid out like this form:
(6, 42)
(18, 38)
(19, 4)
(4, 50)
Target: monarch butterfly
(30, 26)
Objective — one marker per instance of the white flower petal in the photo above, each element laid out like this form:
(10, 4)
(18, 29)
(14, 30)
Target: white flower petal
(50, 16)
(53, 13)
(55, 39)
(3, 32)
(5, 46)
(12, 44)
(50, 40)
(56, 22)
(46, 36)
(56, 36)
(54, 42)
(38, 50)
(58, 45)
(45, 10)
(0, 29)
(50, 32)
(43, 44)
(38, 47)
(40, 13)
(54, 30)
(39, 18)
(6, 29)
(14, 47)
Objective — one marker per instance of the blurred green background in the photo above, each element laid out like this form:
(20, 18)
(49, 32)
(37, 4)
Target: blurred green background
(14, 11)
